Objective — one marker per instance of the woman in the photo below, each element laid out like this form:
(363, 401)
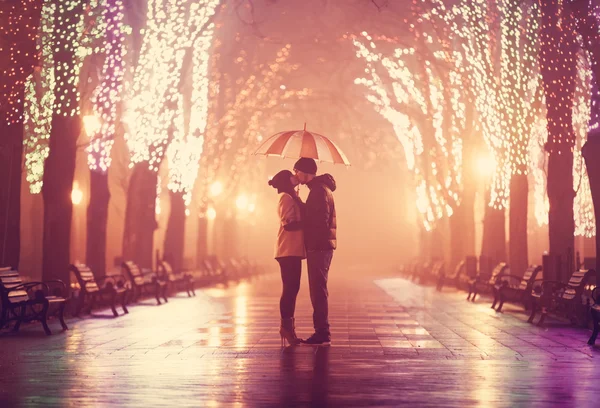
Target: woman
(289, 250)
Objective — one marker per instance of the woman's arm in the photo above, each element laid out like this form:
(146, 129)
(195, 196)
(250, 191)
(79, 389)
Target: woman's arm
(289, 214)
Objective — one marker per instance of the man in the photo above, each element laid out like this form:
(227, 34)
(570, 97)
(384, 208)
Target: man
(320, 242)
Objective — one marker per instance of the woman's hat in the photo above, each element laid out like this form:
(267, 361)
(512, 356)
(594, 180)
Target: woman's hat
(281, 179)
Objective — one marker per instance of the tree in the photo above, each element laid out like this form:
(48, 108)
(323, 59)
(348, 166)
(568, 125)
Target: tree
(59, 167)
(156, 112)
(19, 22)
(588, 28)
(103, 130)
(558, 63)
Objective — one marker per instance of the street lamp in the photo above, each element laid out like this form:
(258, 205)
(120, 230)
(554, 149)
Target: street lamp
(76, 194)
(211, 213)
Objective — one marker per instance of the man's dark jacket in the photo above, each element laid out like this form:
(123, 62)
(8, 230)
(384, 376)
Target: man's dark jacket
(319, 216)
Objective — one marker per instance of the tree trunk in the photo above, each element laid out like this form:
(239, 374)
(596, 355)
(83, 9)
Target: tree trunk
(140, 216)
(11, 151)
(59, 167)
(202, 242)
(17, 59)
(493, 247)
(175, 234)
(518, 252)
(591, 152)
(59, 171)
(97, 218)
(558, 62)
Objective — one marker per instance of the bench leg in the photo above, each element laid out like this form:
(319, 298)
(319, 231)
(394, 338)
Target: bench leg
(92, 302)
(533, 310)
(592, 339)
(20, 319)
(499, 309)
(61, 316)
(80, 303)
(124, 301)
(496, 295)
(113, 300)
(470, 291)
(543, 316)
(474, 294)
(43, 317)
(164, 292)
(157, 293)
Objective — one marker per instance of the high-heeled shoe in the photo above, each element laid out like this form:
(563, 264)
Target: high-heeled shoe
(287, 331)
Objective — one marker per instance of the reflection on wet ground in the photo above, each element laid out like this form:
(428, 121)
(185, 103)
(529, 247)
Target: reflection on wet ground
(394, 343)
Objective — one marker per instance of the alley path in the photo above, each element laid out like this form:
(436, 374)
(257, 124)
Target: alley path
(394, 342)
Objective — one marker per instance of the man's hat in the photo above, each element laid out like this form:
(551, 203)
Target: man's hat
(306, 165)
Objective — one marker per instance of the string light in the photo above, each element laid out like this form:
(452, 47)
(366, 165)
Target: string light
(185, 152)
(107, 95)
(19, 34)
(39, 100)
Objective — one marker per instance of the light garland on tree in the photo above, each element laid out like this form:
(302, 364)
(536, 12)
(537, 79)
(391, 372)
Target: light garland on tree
(185, 150)
(21, 27)
(427, 119)
(107, 95)
(39, 100)
(68, 30)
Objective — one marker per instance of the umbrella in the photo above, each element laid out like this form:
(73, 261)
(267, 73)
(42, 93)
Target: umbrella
(295, 144)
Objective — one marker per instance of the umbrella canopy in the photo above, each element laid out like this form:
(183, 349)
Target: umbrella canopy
(295, 144)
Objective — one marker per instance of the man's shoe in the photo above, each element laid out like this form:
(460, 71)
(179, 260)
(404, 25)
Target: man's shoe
(318, 339)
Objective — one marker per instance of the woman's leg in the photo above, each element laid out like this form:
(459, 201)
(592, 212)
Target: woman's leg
(291, 270)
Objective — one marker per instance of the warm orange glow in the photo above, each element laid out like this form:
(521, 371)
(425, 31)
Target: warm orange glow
(216, 188)
(92, 124)
(242, 202)
(211, 213)
(76, 194)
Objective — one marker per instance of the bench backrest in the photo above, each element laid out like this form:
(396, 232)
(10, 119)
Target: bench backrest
(529, 276)
(10, 279)
(85, 277)
(134, 272)
(167, 269)
(497, 272)
(577, 283)
(457, 270)
(438, 268)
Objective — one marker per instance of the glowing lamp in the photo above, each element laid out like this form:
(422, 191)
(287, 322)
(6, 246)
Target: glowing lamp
(216, 188)
(211, 213)
(91, 124)
(242, 202)
(76, 194)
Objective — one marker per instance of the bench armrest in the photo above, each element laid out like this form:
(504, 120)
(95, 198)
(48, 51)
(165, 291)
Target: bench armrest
(596, 295)
(60, 287)
(28, 286)
(512, 277)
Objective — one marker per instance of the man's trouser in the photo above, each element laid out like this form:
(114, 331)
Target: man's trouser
(318, 270)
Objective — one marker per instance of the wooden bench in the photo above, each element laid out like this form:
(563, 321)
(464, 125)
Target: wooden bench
(451, 277)
(484, 281)
(92, 288)
(26, 302)
(177, 280)
(562, 298)
(595, 312)
(515, 288)
(145, 279)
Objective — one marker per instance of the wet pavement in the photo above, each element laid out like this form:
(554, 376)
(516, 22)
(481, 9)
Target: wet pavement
(394, 343)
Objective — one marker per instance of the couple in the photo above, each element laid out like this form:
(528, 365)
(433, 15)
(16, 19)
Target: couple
(307, 230)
